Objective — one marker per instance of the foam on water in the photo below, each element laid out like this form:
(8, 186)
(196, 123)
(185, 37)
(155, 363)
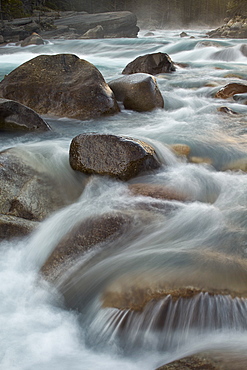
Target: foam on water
(201, 242)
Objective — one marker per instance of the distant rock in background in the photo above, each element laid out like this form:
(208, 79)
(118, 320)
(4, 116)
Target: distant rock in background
(235, 27)
(70, 25)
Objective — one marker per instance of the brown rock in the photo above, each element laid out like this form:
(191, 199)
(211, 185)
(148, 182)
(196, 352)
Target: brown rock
(150, 63)
(181, 149)
(17, 117)
(198, 362)
(227, 110)
(110, 155)
(34, 39)
(231, 89)
(88, 234)
(62, 85)
(157, 191)
(138, 92)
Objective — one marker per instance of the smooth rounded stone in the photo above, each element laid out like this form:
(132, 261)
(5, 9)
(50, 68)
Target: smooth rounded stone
(61, 85)
(240, 98)
(15, 116)
(94, 33)
(181, 149)
(158, 192)
(231, 89)
(148, 34)
(139, 92)
(15, 227)
(97, 231)
(150, 63)
(115, 156)
(27, 191)
(34, 39)
(195, 362)
(227, 110)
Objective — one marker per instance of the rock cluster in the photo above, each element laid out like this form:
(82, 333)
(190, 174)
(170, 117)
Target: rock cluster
(68, 25)
(232, 28)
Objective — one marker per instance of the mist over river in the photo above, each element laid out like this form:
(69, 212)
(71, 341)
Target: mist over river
(197, 243)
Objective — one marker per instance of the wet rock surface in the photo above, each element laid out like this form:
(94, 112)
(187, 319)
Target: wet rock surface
(62, 85)
(89, 234)
(15, 227)
(231, 89)
(150, 63)
(26, 191)
(139, 92)
(200, 362)
(111, 155)
(17, 117)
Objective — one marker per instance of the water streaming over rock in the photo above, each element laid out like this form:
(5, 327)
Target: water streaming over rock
(176, 282)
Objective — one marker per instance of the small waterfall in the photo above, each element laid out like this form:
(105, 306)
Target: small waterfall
(170, 322)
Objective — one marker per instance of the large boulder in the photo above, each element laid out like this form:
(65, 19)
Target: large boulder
(92, 232)
(231, 89)
(115, 24)
(138, 92)
(62, 85)
(116, 156)
(150, 63)
(28, 191)
(17, 117)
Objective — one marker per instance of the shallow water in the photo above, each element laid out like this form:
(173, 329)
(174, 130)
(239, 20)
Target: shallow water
(199, 243)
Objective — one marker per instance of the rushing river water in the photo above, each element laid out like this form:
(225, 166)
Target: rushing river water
(198, 243)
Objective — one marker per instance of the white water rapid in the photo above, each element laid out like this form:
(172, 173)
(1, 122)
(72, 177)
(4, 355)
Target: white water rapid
(201, 242)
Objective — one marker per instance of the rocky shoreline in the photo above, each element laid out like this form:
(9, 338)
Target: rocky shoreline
(70, 25)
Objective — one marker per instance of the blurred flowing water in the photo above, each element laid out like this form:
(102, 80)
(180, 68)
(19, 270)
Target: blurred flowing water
(200, 243)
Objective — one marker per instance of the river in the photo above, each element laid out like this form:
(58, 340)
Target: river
(200, 242)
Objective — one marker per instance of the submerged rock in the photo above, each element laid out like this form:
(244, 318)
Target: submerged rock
(62, 85)
(240, 98)
(27, 191)
(17, 117)
(138, 92)
(231, 89)
(150, 63)
(110, 155)
(90, 233)
(158, 192)
(15, 227)
(181, 149)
